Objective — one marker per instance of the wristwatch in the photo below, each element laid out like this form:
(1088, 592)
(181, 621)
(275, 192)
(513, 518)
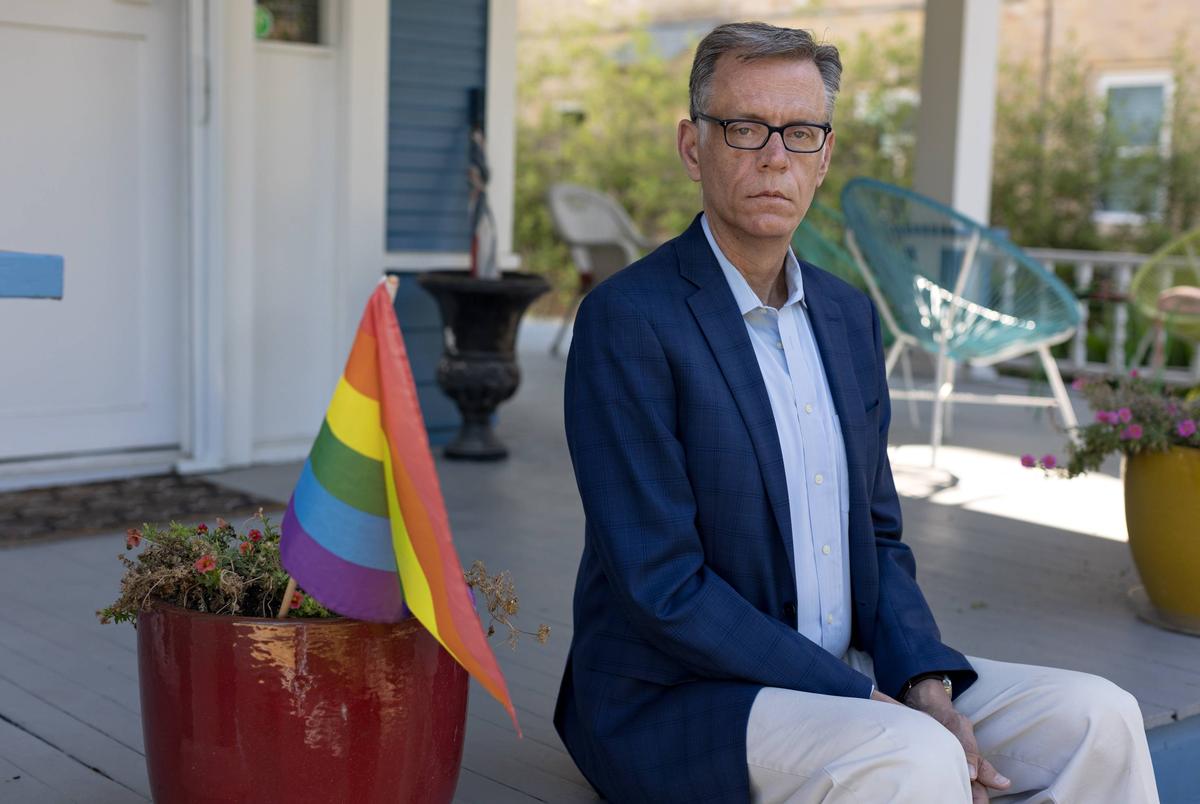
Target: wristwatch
(915, 680)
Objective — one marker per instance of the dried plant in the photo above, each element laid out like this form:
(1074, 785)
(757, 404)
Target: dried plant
(500, 596)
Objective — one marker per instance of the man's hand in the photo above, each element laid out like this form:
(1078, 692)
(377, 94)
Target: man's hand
(876, 695)
(929, 696)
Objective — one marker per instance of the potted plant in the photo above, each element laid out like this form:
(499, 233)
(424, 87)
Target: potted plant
(245, 687)
(1155, 431)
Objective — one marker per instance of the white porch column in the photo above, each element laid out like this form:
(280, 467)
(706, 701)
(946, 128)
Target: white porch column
(501, 115)
(363, 111)
(958, 104)
(221, 307)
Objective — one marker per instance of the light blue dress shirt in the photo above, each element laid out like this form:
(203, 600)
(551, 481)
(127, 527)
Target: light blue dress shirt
(814, 455)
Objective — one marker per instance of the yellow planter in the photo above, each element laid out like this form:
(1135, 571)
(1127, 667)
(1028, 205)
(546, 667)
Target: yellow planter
(1162, 512)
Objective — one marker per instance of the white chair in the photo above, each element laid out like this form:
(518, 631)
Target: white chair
(602, 239)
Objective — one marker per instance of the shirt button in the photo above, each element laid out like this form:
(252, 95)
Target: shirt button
(825, 549)
(808, 408)
(819, 479)
(829, 619)
(779, 344)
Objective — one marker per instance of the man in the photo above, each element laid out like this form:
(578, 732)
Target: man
(746, 616)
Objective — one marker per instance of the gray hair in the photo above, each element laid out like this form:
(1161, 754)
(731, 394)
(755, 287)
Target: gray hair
(749, 41)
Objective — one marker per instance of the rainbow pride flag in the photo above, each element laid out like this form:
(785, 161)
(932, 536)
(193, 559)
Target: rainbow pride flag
(366, 531)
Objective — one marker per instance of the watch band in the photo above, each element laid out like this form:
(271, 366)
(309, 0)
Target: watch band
(915, 680)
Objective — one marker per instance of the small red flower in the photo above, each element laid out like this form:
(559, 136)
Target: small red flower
(205, 563)
(1131, 433)
(133, 537)
(297, 599)
(254, 535)
(202, 528)
(1028, 461)
(245, 547)
(1049, 461)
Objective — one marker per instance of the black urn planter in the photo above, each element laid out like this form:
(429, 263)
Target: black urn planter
(478, 369)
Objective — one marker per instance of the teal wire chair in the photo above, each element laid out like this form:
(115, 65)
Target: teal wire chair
(958, 290)
(1166, 291)
(818, 240)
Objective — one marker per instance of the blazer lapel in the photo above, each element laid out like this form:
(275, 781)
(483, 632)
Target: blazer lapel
(717, 314)
(829, 330)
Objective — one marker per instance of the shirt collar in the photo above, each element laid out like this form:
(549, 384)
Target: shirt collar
(747, 300)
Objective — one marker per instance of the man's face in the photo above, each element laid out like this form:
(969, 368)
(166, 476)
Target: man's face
(760, 194)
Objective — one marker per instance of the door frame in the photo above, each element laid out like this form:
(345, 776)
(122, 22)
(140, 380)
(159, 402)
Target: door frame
(219, 413)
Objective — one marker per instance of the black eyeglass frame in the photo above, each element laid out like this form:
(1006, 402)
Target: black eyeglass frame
(827, 128)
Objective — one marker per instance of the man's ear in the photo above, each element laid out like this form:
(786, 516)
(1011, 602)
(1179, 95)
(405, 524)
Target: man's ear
(687, 139)
(826, 157)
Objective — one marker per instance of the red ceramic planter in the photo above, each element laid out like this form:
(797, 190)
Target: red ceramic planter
(248, 709)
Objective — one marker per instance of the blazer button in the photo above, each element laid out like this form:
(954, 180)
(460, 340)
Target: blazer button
(789, 610)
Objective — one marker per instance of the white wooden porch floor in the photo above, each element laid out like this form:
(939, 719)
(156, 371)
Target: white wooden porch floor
(1001, 587)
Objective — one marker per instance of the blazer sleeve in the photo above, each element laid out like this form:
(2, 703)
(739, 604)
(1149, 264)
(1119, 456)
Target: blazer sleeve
(620, 409)
(907, 640)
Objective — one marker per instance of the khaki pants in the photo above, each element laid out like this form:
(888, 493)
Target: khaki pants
(1060, 736)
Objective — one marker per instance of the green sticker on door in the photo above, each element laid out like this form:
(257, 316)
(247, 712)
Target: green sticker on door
(264, 21)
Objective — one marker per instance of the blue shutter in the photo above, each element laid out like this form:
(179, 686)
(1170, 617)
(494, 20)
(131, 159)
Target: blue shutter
(438, 53)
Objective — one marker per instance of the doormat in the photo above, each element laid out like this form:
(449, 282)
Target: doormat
(114, 505)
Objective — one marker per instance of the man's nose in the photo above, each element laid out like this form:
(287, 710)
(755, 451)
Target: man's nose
(773, 154)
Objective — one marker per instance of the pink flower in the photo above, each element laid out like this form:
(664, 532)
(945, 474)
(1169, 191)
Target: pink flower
(1049, 461)
(202, 528)
(1172, 409)
(1106, 417)
(133, 537)
(245, 547)
(1133, 373)
(297, 599)
(254, 535)
(205, 563)
(1131, 433)
(1186, 428)
(1125, 415)
(1028, 461)
(1079, 384)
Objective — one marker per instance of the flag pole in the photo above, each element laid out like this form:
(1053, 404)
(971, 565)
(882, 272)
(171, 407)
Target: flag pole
(287, 599)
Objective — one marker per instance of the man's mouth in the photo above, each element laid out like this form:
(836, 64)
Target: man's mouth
(770, 194)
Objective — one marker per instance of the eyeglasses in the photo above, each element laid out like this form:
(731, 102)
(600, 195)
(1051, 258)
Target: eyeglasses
(751, 135)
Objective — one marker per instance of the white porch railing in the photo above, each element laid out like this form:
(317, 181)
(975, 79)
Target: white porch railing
(1108, 275)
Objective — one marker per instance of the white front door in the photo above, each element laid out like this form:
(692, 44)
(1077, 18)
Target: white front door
(93, 167)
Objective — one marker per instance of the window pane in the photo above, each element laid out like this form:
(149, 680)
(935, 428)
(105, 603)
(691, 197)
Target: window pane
(1136, 114)
(1132, 186)
(288, 21)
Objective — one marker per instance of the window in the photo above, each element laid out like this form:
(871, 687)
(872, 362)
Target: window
(1137, 131)
(296, 21)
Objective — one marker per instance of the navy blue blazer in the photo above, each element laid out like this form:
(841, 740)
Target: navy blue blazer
(685, 598)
